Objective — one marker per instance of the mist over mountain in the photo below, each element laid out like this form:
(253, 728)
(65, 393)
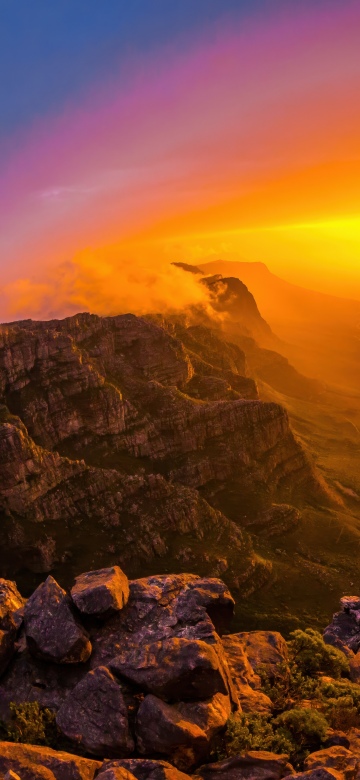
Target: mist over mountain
(319, 332)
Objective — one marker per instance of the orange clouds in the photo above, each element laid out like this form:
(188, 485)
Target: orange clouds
(106, 282)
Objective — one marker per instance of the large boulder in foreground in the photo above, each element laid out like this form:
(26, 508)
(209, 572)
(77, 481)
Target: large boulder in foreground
(31, 762)
(52, 630)
(252, 765)
(101, 593)
(337, 757)
(95, 716)
(177, 669)
(146, 769)
(161, 729)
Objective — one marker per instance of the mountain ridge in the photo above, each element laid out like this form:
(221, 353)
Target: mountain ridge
(97, 419)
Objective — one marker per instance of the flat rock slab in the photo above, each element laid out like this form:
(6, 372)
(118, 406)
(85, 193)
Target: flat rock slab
(52, 630)
(101, 593)
(175, 670)
(31, 762)
(95, 716)
(252, 765)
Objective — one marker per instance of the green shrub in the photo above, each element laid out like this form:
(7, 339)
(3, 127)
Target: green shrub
(296, 732)
(311, 655)
(32, 724)
(305, 729)
(341, 704)
(251, 731)
(288, 686)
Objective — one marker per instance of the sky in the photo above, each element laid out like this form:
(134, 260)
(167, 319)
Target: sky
(136, 134)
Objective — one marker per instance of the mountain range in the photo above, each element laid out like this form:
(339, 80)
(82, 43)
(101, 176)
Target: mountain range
(164, 442)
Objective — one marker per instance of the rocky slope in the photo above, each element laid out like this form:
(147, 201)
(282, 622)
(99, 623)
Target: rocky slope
(124, 438)
(140, 681)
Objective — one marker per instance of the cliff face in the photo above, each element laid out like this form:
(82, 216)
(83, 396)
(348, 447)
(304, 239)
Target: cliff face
(115, 424)
(240, 321)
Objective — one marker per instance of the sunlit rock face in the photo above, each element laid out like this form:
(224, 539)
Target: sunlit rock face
(125, 438)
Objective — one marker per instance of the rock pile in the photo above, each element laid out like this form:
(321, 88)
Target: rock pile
(130, 668)
(142, 680)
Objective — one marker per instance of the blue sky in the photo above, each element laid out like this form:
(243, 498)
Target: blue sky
(50, 50)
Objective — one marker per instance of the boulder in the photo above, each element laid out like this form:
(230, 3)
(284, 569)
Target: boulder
(253, 701)
(31, 762)
(162, 729)
(344, 630)
(251, 765)
(337, 758)
(11, 605)
(321, 773)
(52, 630)
(95, 716)
(245, 681)
(101, 593)
(210, 715)
(264, 649)
(210, 594)
(161, 607)
(177, 669)
(147, 769)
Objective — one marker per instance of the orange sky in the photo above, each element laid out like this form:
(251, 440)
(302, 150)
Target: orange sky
(245, 145)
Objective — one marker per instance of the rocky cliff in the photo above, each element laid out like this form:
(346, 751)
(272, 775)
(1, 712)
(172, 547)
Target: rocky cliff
(238, 318)
(124, 437)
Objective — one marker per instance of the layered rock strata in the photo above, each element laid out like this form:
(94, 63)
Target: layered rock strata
(114, 426)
